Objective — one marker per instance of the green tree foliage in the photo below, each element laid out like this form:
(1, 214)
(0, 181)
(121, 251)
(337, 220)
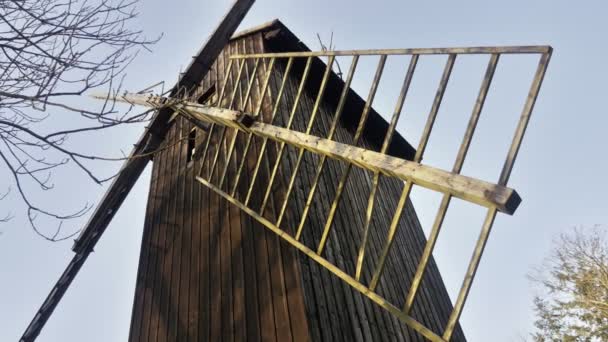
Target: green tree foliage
(573, 306)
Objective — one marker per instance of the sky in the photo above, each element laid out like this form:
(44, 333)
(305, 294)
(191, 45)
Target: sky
(559, 173)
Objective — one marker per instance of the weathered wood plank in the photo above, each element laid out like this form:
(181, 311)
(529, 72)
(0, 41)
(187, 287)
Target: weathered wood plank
(195, 253)
(175, 232)
(480, 192)
(538, 49)
(204, 228)
(139, 321)
(185, 236)
(472, 190)
(152, 304)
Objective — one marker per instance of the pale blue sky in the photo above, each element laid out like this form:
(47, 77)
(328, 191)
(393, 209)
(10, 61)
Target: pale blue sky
(559, 174)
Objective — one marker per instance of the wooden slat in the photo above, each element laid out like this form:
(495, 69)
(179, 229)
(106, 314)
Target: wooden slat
(270, 120)
(215, 270)
(163, 282)
(360, 311)
(251, 80)
(268, 316)
(204, 301)
(524, 118)
(185, 236)
(195, 253)
(150, 323)
(174, 243)
(311, 121)
(538, 49)
(293, 277)
(138, 329)
(227, 114)
(239, 168)
(249, 261)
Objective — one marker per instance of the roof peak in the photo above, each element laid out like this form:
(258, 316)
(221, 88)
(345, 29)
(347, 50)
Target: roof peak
(275, 23)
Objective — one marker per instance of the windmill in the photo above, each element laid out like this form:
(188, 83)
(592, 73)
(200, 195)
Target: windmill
(279, 203)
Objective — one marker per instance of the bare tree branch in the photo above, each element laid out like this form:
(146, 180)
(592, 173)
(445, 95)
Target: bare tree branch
(51, 50)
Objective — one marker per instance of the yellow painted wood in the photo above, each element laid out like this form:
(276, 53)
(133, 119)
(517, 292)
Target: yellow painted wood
(470, 273)
(541, 49)
(392, 230)
(524, 118)
(463, 187)
(469, 189)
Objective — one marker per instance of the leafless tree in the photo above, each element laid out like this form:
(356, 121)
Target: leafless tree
(50, 52)
(573, 305)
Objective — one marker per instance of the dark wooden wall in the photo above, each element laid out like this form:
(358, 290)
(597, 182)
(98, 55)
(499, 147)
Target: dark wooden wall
(209, 272)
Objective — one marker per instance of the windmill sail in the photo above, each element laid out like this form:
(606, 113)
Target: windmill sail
(227, 129)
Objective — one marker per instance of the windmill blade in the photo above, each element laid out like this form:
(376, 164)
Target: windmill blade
(262, 123)
(133, 167)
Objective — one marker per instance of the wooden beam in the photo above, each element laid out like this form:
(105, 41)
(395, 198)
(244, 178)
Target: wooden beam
(470, 189)
(473, 190)
(539, 49)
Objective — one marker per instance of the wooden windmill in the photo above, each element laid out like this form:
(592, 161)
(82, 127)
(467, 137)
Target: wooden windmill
(279, 202)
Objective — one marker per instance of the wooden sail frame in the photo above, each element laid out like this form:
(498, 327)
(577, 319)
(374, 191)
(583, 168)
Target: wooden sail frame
(495, 197)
